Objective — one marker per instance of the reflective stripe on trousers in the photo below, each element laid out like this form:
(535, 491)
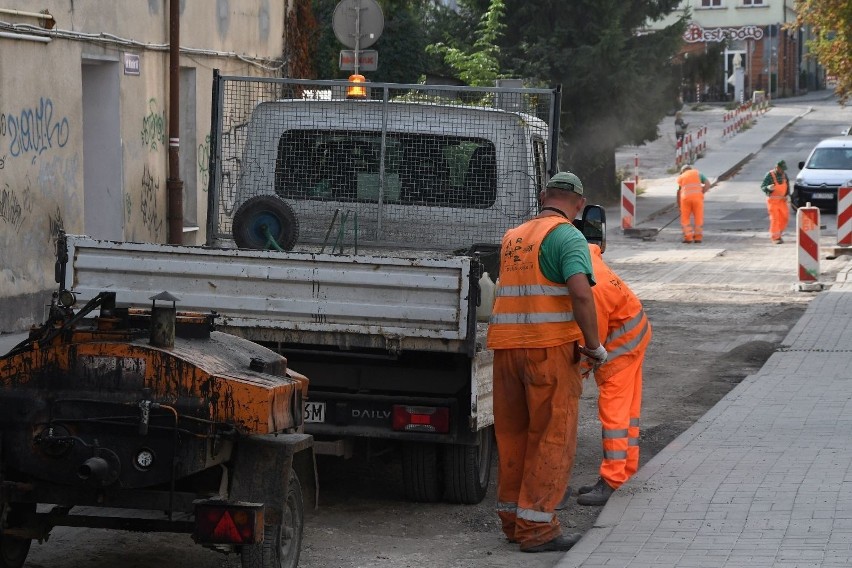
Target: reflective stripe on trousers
(619, 406)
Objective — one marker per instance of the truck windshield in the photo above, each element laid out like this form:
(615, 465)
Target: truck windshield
(419, 169)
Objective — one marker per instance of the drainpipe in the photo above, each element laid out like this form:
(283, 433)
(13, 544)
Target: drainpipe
(174, 185)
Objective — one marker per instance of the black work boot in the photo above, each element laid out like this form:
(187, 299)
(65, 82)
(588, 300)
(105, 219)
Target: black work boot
(599, 495)
(588, 488)
(561, 543)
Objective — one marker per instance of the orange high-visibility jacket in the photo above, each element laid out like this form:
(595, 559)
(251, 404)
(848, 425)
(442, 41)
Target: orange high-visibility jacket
(690, 183)
(530, 310)
(622, 325)
(779, 187)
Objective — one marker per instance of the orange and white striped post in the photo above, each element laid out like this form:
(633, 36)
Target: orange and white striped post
(807, 243)
(628, 204)
(844, 215)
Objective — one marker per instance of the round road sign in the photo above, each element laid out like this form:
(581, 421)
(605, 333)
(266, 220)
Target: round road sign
(363, 16)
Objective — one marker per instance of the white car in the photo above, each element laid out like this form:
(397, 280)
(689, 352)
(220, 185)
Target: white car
(828, 167)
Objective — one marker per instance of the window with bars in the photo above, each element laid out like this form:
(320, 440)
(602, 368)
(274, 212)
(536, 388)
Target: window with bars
(711, 3)
(753, 3)
(418, 168)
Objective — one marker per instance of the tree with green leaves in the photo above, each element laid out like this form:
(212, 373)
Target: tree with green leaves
(479, 65)
(617, 82)
(831, 24)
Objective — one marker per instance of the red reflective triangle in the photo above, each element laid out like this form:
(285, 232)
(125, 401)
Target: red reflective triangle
(226, 530)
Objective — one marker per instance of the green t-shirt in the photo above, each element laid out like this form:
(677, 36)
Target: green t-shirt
(564, 253)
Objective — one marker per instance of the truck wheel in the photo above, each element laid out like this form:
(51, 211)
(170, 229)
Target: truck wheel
(262, 217)
(13, 551)
(420, 472)
(281, 543)
(467, 469)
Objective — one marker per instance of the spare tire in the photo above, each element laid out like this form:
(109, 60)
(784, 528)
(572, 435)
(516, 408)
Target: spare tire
(262, 217)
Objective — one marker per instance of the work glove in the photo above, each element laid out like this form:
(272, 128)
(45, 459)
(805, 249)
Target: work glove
(598, 355)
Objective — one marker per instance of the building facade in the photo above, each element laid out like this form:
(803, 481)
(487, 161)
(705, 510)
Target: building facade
(751, 35)
(84, 123)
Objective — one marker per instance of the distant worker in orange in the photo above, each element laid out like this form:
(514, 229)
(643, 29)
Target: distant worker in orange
(776, 186)
(625, 333)
(691, 187)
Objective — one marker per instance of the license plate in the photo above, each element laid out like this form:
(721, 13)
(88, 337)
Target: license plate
(823, 196)
(314, 412)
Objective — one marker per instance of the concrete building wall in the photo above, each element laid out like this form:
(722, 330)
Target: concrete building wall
(84, 140)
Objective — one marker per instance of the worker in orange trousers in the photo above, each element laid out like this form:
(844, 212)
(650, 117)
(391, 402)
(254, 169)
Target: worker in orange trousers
(542, 321)
(776, 186)
(691, 187)
(625, 333)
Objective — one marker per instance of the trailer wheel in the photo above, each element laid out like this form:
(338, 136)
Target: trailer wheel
(281, 543)
(262, 217)
(467, 469)
(420, 472)
(13, 551)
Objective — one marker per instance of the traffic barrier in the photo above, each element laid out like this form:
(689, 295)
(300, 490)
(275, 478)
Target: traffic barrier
(628, 204)
(737, 120)
(679, 153)
(844, 215)
(807, 244)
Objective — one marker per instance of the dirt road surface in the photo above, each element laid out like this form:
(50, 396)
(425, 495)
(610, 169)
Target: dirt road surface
(718, 311)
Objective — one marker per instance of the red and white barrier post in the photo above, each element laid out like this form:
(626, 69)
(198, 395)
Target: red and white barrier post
(628, 204)
(807, 243)
(844, 215)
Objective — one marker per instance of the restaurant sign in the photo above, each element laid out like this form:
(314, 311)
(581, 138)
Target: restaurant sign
(696, 34)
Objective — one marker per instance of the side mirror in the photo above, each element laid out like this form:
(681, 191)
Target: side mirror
(801, 165)
(593, 225)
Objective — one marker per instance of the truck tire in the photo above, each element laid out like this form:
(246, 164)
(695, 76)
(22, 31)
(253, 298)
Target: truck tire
(467, 469)
(281, 543)
(264, 213)
(420, 472)
(13, 551)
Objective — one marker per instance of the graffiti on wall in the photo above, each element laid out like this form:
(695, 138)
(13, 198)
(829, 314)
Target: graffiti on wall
(59, 174)
(56, 223)
(34, 130)
(15, 205)
(203, 163)
(150, 213)
(154, 127)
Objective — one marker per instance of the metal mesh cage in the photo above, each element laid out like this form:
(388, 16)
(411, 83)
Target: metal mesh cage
(403, 166)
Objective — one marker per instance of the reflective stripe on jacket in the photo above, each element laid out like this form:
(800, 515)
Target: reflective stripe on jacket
(530, 310)
(690, 183)
(622, 325)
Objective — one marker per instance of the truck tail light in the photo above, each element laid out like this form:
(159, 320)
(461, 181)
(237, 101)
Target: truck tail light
(421, 418)
(228, 524)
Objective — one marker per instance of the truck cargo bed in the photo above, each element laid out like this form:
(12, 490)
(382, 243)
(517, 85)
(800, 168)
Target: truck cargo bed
(349, 301)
